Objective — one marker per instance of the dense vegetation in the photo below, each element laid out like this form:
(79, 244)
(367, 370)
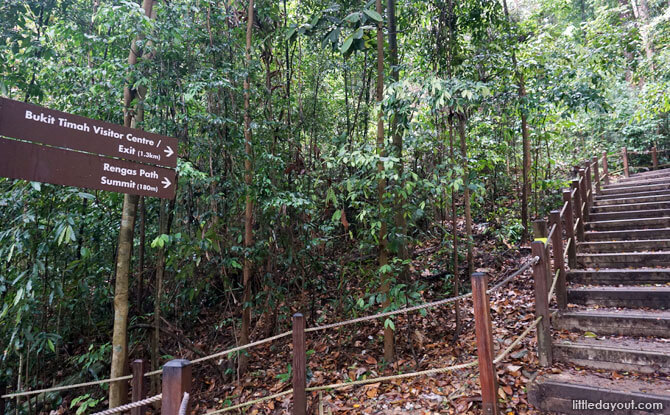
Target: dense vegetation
(483, 107)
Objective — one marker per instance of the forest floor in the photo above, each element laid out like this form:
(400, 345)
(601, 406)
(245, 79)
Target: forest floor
(422, 342)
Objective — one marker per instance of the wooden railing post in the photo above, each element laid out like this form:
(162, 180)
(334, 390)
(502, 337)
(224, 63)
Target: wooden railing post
(584, 205)
(596, 174)
(559, 264)
(605, 172)
(299, 366)
(484, 334)
(570, 229)
(138, 388)
(539, 228)
(578, 210)
(176, 381)
(589, 186)
(624, 156)
(654, 157)
(541, 303)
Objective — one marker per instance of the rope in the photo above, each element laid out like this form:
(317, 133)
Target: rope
(567, 247)
(551, 233)
(245, 404)
(525, 266)
(553, 284)
(392, 377)
(65, 387)
(565, 207)
(237, 349)
(132, 405)
(574, 228)
(184, 404)
(389, 313)
(516, 342)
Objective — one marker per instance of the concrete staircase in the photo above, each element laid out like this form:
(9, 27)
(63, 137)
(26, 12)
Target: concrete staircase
(612, 343)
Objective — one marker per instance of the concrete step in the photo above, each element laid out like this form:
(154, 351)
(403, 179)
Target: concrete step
(627, 224)
(611, 276)
(628, 355)
(648, 174)
(615, 322)
(568, 393)
(624, 259)
(637, 182)
(628, 200)
(634, 188)
(628, 297)
(627, 235)
(624, 207)
(644, 245)
(631, 193)
(628, 214)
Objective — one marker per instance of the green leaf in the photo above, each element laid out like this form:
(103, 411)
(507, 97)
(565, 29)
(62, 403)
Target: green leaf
(389, 323)
(347, 44)
(373, 15)
(353, 17)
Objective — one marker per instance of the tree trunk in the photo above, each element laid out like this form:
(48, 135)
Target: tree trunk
(248, 212)
(118, 391)
(389, 347)
(400, 222)
(466, 194)
(454, 225)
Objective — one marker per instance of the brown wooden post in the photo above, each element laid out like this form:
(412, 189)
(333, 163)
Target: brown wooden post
(584, 205)
(596, 174)
(589, 187)
(176, 381)
(559, 264)
(624, 156)
(541, 304)
(539, 228)
(299, 366)
(654, 157)
(577, 203)
(605, 172)
(570, 229)
(138, 386)
(484, 334)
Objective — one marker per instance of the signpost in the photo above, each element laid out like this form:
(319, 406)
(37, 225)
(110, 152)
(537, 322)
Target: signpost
(72, 150)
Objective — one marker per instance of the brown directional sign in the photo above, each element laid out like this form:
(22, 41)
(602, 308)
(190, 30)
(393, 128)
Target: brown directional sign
(38, 124)
(21, 160)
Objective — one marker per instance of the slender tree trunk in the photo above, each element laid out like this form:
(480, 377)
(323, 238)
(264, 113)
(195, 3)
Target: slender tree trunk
(389, 347)
(466, 194)
(158, 294)
(118, 391)
(526, 164)
(248, 212)
(454, 226)
(400, 222)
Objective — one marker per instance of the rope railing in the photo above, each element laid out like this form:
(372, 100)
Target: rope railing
(567, 248)
(127, 407)
(249, 403)
(286, 334)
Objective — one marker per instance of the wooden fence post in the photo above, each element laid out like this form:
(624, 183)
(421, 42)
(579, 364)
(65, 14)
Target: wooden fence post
(589, 186)
(539, 228)
(578, 209)
(654, 157)
(138, 367)
(299, 365)
(624, 156)
(559, 265)
(605, 172)
(596, 174)
(176, 381)
(484, 334)
(570, 229)
(584, 205)
(541, 303)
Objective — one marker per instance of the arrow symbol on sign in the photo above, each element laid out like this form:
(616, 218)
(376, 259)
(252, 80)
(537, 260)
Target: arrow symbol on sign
(166, 183)
(168, 151)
